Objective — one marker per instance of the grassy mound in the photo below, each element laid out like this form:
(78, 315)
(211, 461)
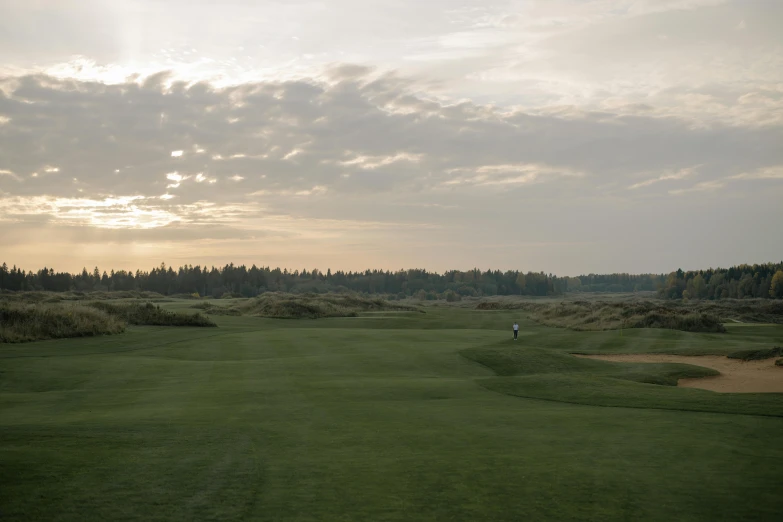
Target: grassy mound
(606, 391)
(555, 376)
(212, 309)
(509, 362)
(745, 310)
(24, 322)
(613, 315)
(56, 297)
(756, 355)
(150, 314)
(315, 306)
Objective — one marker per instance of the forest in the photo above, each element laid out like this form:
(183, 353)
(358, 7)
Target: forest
(737, 282)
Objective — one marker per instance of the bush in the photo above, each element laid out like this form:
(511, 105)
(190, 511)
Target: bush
(452, 296)
(21, 322)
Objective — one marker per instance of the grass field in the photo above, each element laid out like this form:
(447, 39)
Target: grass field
(385, 416)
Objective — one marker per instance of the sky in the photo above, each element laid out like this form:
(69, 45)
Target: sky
(566, 136)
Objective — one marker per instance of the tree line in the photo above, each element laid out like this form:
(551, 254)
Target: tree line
(737, 282)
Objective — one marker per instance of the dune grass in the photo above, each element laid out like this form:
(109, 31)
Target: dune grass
(151, 314)
(756, 354)
(436, 416)
(56, 297)
(614, 314)
(315, 306)
(25, 322)
(213, 309)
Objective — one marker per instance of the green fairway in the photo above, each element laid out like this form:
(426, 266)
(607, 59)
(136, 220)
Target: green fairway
(386, 416)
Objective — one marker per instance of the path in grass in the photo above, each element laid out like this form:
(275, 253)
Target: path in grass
(376, 419)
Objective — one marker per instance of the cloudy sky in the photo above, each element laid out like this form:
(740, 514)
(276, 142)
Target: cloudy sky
(569, 136)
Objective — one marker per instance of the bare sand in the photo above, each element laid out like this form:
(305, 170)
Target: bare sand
(736, 376)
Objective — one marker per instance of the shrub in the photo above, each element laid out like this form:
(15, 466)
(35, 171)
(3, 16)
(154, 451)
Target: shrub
(452, 296)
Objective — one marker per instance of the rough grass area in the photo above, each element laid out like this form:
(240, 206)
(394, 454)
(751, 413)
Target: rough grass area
(745, 310)
(26, 322)
(56, 297)
(779, 362)
(756, 354)
(613, 315)
(315, 306)
(212, 309)
(151, 315)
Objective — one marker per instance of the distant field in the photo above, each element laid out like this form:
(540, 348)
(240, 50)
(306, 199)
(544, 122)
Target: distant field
(399, 415)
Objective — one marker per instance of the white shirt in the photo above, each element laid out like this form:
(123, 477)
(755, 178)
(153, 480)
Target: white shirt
(516, 327)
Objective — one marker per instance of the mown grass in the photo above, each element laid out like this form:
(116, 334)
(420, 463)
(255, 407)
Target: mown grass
(543, 374)
(315, 306)
(507, 361)
(25, 322)
(380, 418)
(596, 390)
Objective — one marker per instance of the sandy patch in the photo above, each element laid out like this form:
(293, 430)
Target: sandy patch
(736, 376)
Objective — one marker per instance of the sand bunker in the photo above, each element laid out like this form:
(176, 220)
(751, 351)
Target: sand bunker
(736, 376)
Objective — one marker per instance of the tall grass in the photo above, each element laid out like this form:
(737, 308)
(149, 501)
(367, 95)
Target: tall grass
(212, 309)
(150, 314)
(756, 355)
(26, 322)
(21, 322)
(613, 315)
(56, 297)
(314, 306)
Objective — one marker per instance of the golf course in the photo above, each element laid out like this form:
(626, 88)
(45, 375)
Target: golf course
(430, 414)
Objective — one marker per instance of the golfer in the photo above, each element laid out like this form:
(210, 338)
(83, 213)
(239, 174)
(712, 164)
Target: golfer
(516, 330)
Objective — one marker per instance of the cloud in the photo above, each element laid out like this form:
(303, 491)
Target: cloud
(10, 174)
(680, 174)
(773, 172)
(346, 136)
(373, 162)
(704, 186)
(358, 159)
(509, 175)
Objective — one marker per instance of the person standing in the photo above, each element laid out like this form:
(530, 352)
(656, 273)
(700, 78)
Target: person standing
(516, 330)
